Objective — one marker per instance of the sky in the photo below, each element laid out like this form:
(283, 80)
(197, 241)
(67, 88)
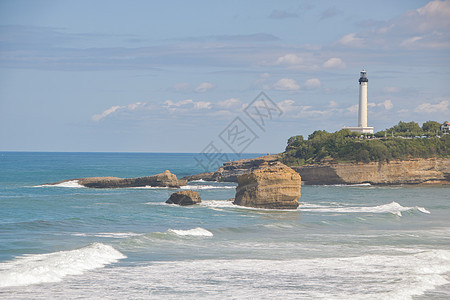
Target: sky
(214, 76)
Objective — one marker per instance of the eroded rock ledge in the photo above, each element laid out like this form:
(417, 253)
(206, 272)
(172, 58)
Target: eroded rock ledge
(165, 179)
(232, 169)
(413, 171)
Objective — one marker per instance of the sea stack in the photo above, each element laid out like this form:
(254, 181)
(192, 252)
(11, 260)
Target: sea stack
(275, 186)
(184, 198)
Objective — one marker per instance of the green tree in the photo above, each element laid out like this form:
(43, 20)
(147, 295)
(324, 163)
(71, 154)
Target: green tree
(431, 126)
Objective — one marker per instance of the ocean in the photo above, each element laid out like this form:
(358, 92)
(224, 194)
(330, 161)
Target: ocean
(343, 242)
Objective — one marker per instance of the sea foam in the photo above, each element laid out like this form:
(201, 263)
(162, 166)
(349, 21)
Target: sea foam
(393, 208)
(53, 267)
(382, 276)
(206, 187)
(192, 232)
(68, 184)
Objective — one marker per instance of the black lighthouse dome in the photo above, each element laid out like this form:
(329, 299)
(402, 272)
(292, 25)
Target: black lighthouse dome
(363, 77)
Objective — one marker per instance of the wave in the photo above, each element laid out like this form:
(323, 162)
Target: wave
(394, 275)
(53, 267)
(206, 187)
(189, 187)
(192, 232)
(116, 235)
(393, 208)
(67, 184)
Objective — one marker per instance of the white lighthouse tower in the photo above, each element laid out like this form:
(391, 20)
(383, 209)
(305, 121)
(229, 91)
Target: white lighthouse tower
(362, 112)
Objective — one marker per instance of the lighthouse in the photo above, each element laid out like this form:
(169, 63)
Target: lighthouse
(362, 111)
(362, 114)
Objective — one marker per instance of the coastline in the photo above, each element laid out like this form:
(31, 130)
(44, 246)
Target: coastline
(430, 171)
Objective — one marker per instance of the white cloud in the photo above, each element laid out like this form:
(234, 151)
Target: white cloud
(333, 103)
(387, 104)
(229, 103)
(334, 63)
(312, 83)
(286, 84)
(426, 27)
(117, 108)
(105, 113)
(409, 42)
(187, 105)
(442, 106)
(350, 40)
(434, 15)
(204, 87)
(353, 108)
(289, 59)
(292, 110)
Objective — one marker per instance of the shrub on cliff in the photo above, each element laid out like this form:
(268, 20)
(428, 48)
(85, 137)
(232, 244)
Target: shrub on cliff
(345, 146)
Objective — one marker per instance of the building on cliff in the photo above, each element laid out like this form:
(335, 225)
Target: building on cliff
(445, 127)
(362, 111)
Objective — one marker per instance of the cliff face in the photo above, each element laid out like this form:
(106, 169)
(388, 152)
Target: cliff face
(414, 171)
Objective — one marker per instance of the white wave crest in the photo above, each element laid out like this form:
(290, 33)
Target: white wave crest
(393, 208)
(53, 267)
(117, 235)
(217, 203)
(192, 232)
(206, 187)
(67, 184)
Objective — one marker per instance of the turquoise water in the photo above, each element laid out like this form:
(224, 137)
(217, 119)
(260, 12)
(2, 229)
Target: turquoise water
(353, 242)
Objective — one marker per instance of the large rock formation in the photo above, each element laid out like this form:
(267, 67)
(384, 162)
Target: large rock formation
(184, 198)
(272, 186)
(165, 179)
(414, 171)
(232, 169)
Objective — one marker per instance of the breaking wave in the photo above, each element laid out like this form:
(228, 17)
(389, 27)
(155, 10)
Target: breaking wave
(192, 232)
(393, 208)
(53, 267)
(68, 184)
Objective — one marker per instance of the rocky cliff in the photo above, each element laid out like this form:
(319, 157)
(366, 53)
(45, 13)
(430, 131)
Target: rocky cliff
(415, 171)
(232, 169)
(273, 186)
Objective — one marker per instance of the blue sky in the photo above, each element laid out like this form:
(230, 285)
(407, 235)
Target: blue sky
(173, 76)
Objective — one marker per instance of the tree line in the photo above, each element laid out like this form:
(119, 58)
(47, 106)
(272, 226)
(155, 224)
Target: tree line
(347, 146)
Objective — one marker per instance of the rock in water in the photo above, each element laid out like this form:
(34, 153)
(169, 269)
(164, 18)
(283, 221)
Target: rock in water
(273, 187)
(164, 179)
(184, 198)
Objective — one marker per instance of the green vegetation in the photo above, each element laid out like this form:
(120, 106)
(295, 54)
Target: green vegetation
(402, 141)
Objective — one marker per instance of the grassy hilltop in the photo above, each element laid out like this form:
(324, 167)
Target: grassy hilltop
(403, 141)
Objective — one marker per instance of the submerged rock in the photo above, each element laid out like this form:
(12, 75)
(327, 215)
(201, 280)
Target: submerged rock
(273, 187)
(165, 179)
(184, 198)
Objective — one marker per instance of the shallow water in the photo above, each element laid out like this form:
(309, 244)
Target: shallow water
(353, 242)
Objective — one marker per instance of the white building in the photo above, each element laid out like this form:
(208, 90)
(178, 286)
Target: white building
(362, 112)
